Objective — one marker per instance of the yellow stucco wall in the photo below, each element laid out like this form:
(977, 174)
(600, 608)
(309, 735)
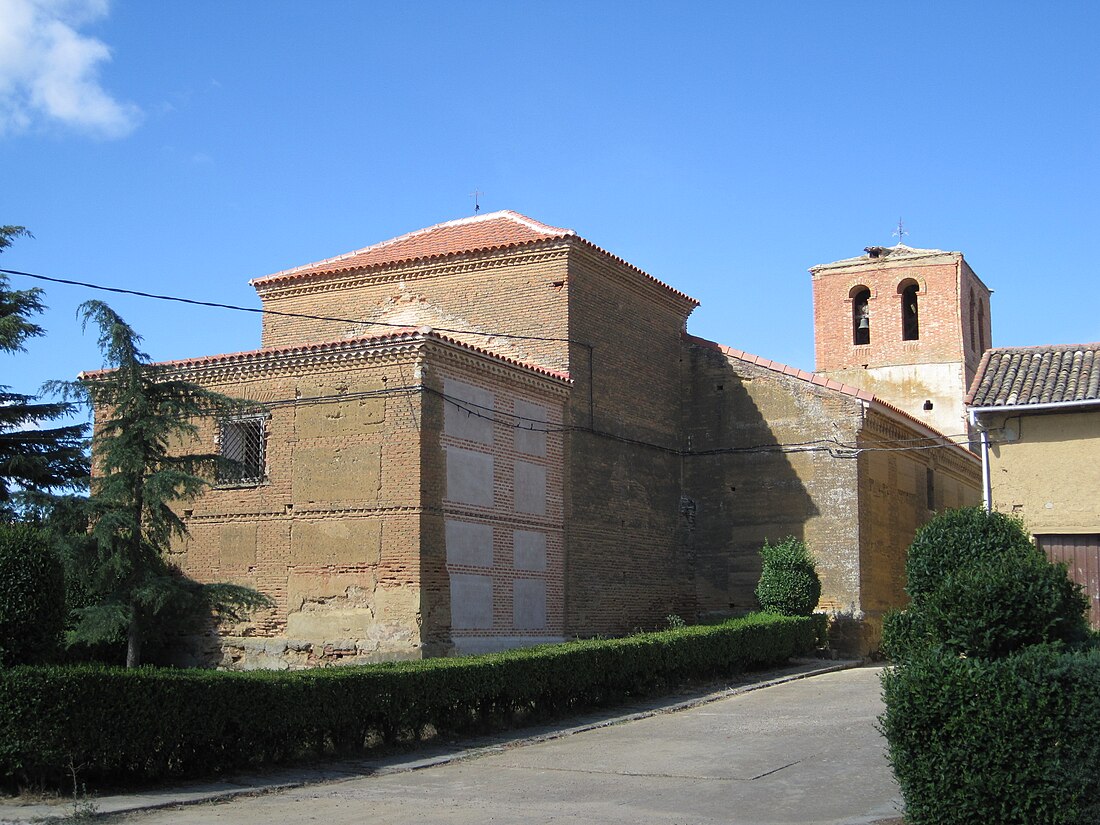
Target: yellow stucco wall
(1045, 468)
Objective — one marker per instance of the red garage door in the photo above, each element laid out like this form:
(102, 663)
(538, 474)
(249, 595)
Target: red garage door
(1080, 552)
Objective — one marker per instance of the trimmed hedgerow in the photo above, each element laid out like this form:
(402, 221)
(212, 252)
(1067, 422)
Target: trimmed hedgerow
(145, 723)
(789, 583)
(1014, 741)
(32, 606)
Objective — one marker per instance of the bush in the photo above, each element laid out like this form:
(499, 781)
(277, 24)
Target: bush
(1015, 740)
(979, 587)
(788, 581)
(32, 607)
(994, 607)
(144, 723)
(904, 634)
(956, 539)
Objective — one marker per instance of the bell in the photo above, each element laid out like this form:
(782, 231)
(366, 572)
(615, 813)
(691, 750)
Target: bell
(864, 323)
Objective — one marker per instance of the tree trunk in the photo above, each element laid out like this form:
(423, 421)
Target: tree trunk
(133, 643)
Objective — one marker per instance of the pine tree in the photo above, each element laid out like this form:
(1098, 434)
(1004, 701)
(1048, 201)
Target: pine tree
(32, 457)
(141, 410)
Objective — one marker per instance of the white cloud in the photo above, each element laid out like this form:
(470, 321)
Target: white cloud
(49, 71)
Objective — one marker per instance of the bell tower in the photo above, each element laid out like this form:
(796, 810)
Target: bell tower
(909, 325)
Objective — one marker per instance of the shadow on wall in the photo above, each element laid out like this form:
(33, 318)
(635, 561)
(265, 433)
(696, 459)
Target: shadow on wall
(740, 488)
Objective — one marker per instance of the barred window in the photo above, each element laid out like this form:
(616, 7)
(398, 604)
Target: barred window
(242, 442)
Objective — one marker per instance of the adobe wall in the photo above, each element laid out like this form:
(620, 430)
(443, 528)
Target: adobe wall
(517, 291)
(1040, 466)
(625, 567)
(493, 543)
(745, 490)
(332, 534)
(896, 497)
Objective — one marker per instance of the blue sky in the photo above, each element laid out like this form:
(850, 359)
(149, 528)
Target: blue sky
(723, 147)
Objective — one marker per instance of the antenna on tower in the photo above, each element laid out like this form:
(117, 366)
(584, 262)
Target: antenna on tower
(477, 193)
(900, 232)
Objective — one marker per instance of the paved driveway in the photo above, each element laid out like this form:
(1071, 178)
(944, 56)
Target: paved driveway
(803, 751)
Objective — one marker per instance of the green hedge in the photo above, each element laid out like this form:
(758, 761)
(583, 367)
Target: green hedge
(146, 724)
(32, 597)
(1013, 740)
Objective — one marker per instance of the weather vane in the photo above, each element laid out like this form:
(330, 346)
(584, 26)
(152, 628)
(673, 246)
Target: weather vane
(900, 232)
(477, 193)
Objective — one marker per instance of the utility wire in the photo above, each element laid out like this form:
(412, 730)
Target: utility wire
(830, 446)
(261, 311)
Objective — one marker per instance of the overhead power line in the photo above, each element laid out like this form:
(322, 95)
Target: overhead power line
(281, 313)
(831, 446)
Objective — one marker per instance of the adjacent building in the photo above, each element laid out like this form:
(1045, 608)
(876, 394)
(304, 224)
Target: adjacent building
(1037, 411)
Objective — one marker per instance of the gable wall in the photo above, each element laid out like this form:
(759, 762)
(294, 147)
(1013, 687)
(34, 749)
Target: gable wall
(746, 491)
(520, 292)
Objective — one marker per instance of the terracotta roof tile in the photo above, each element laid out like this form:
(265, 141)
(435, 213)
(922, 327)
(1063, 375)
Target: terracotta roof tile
(1051, 374)
(480, 233)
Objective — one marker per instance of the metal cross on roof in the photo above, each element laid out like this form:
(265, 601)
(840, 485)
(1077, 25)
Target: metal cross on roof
(475, 195)
(900, 232)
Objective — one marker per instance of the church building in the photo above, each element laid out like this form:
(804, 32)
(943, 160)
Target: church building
(492, 432)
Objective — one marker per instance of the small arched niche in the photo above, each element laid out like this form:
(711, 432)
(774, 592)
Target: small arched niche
(861, 315)
(910, 311)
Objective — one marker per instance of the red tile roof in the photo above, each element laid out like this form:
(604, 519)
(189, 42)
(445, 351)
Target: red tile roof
(399, 335)
(480, 233)
(1050, 374)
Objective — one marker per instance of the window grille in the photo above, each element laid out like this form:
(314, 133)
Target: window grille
(241, 444)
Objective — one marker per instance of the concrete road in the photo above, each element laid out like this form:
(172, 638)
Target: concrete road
(803, 751)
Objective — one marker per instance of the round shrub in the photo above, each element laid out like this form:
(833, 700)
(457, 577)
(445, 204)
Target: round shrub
(1013, 741)
(956, 539)
(32, 607)
(994, 607)
(788, 581)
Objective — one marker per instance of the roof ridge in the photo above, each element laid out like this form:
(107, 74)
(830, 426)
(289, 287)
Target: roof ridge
(523, 220)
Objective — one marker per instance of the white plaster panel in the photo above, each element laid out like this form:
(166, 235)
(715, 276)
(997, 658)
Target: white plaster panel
(529, 550)
(530, 428)
(469, 477)
(469, 543)
(530, 488)
(471, 601)
(472, 417)
(528, 604)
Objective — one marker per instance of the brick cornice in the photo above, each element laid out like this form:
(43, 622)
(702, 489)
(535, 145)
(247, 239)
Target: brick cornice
(418, 270)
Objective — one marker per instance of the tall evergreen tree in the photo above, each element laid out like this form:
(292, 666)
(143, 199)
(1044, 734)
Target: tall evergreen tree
(32, 457)
(141, 412)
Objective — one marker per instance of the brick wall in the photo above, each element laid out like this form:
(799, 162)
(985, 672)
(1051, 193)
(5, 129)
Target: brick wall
(747, 491)
(935, 368)
(493, 541)
(899, 491)
(519, 292)
(332, 532)
(624, 566)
